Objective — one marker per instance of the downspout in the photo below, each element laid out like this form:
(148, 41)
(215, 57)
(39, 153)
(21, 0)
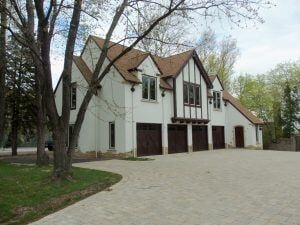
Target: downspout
(163, 120)
(132, 122)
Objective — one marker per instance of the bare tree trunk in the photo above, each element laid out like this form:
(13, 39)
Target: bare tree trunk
(2, 68)
(14, 129)
(42, 157)
(62, 166)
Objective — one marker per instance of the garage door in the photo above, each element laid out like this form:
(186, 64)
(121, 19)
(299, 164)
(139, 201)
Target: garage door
(200, 141)
(177, 138)
(218, 137)
(148, 139)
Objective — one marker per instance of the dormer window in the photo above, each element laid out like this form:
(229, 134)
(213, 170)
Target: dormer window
(149, 88)
(217, 99)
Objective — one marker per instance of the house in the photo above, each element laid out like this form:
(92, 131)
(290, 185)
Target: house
(149, 105)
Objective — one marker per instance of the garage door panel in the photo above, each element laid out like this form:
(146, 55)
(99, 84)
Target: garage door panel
(149, 140)
(177, 138)
(200, 138)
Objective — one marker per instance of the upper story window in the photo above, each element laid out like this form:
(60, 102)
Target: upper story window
(217, 99)
(73, 95)
(191, 94)
(149, 88)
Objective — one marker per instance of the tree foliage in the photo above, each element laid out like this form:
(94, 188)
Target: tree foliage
(20, 96)
(218, 57)
(274, 97)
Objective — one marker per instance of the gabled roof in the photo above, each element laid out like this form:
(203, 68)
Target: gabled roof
(212, 79)
(172, 65)
(129, 61)
(83, 68)
(242, 109)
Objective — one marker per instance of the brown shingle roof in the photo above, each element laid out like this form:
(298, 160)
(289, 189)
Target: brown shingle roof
(171, 66)
(242, 109)
(129, 61)
(83, 68)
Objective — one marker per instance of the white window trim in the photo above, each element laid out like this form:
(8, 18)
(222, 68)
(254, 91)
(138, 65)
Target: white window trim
(149, 99)
(215, 108)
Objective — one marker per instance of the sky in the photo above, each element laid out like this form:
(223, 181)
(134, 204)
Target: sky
(262, 46)
(275, 41)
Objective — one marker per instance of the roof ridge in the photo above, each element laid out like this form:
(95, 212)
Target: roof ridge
(145, 52)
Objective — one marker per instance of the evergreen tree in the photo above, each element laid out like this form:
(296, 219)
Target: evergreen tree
(290, 110)
(21, 109)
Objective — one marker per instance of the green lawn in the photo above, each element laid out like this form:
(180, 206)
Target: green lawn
(27, 192)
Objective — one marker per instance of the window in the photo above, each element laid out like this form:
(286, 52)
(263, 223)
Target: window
(112, 135)
(197, 95)
(73, 96)
(191, 94)
(185, 93)
(217, 99)
(149, 88)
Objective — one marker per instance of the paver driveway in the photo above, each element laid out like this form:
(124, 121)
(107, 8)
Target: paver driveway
(212, 187)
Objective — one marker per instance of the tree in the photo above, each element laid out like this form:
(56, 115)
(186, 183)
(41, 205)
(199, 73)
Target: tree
(218, 57)
(47, 14)
(290, 112)
(168, 37)
(3, 16)
(20, 100)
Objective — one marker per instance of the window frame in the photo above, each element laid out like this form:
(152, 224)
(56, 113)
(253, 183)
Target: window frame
(186, 94)
(216, 100)
(149, 78)
(110, 135)
(73, 88)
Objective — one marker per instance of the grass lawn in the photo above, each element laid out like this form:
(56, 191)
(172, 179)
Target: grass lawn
(27, 192)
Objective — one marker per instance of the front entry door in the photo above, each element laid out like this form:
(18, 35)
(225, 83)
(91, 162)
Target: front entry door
(218, 137)
(239, 137)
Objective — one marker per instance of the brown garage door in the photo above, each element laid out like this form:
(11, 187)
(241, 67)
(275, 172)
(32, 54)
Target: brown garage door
(239, 137)
(148, 139)
(200, 141)
(218, 137)
(177, 138)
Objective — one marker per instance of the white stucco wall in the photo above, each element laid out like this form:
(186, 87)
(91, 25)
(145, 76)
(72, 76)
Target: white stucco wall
(191, 73)
(235, 118)
(87, 141)
(143, 111)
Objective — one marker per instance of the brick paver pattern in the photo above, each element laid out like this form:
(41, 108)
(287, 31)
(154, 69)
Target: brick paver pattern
(221, 187)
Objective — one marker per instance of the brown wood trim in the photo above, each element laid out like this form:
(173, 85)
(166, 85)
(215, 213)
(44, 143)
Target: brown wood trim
(183, 93)
(189, 73)
(202, 70)
(174, 97)
(189, 120)
(195, 91)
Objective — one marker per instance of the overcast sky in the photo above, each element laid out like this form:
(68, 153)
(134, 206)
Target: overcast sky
(261, 47)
